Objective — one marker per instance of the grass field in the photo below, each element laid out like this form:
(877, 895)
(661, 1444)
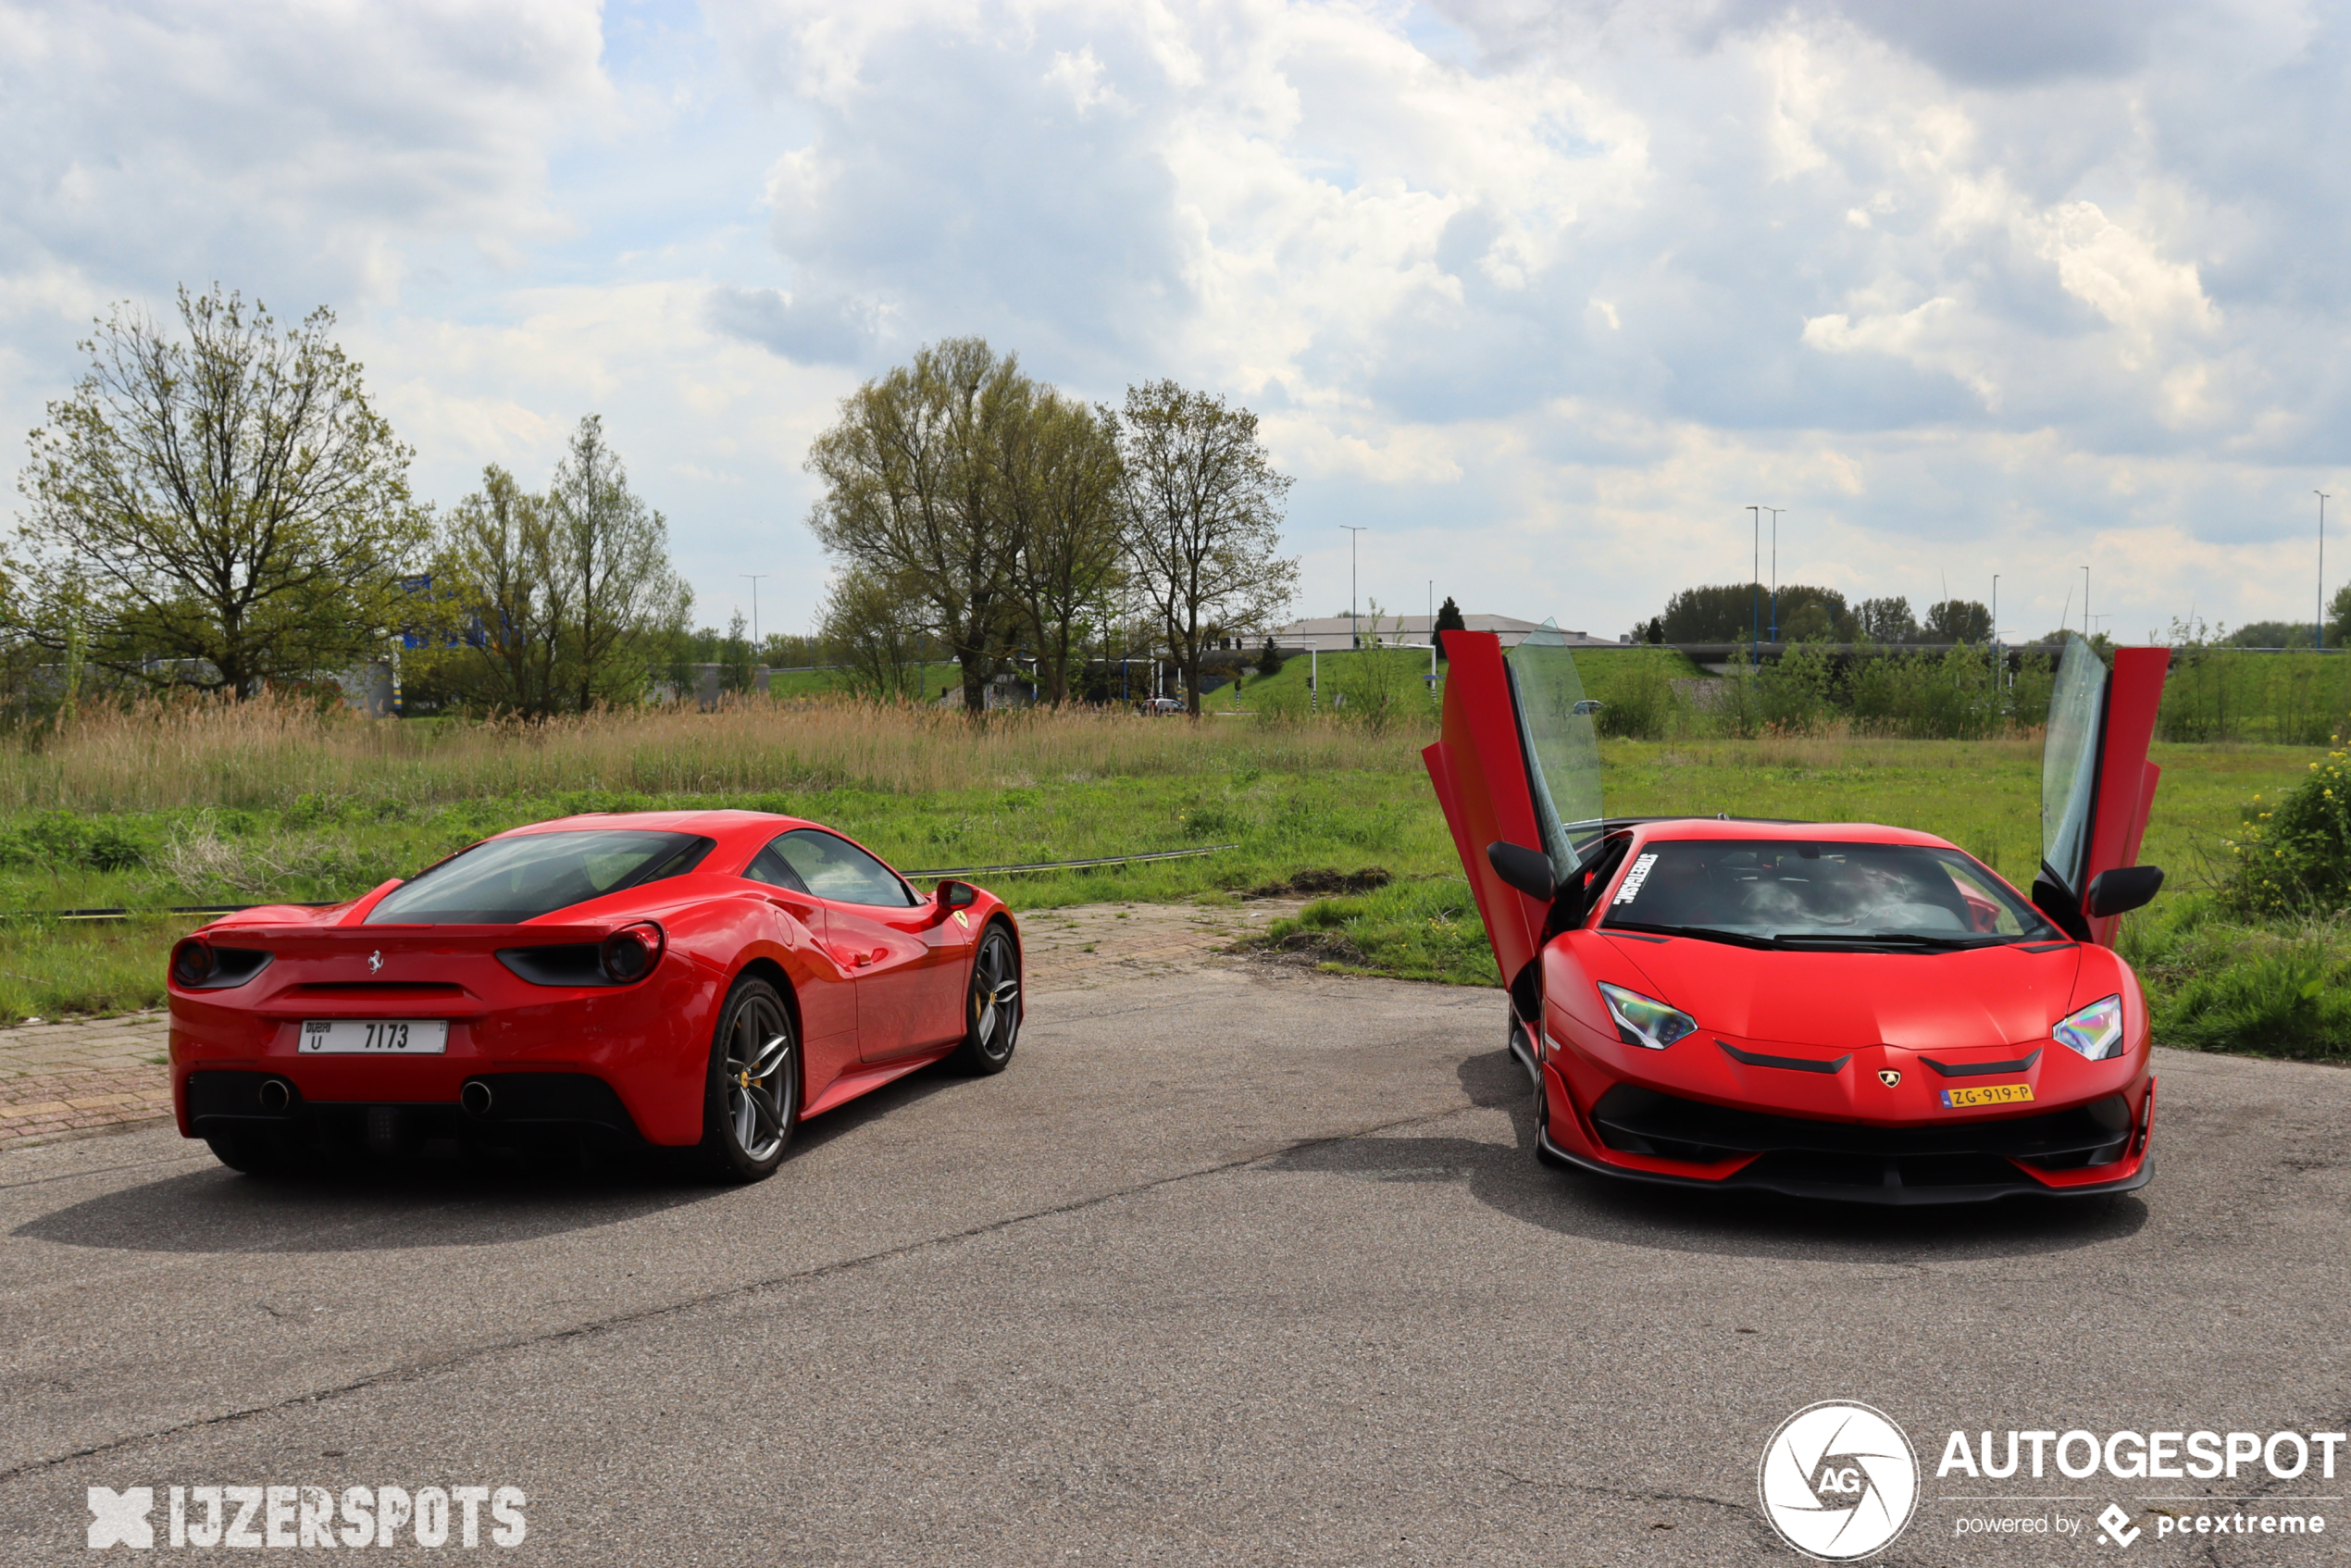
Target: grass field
(273, 802)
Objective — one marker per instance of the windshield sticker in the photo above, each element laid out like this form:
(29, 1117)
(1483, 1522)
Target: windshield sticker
(1630, 889)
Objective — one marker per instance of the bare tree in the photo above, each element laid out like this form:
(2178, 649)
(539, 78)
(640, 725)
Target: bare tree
(1203, 505)
(912, 496)
(625, 601)
(233, 498)
(1059, 468)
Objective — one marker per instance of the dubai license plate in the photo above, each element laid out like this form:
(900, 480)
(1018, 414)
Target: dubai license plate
(375, 1036)
(1986, 1094)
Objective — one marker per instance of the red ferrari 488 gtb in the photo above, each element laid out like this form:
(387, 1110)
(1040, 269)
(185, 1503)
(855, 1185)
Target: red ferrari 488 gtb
(699, 979)
(1829, 1010)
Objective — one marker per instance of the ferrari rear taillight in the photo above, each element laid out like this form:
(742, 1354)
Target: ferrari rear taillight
(192, 962)
(630, 954)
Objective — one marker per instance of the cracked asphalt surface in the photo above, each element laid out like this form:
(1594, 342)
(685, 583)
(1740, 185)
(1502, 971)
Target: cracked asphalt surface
(1245, 1265)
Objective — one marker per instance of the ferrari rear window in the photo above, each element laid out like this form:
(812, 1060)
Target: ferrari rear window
(1819, 894)
(505, 880)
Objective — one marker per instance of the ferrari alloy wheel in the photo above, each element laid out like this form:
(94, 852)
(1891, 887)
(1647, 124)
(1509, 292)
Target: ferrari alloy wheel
(752, 1105)
(992, 1015)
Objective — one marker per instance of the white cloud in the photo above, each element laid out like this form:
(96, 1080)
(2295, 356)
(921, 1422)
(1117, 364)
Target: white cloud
(1546, 294)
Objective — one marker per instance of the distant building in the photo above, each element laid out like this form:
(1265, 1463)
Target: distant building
(1331, 633)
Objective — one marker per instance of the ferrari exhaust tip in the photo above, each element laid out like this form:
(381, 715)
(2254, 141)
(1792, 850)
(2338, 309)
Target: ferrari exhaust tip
(475, 1097)
(276, 1096)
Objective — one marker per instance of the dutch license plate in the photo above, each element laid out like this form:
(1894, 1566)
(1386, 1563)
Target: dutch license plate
(1986, 1094)
(375, 1036)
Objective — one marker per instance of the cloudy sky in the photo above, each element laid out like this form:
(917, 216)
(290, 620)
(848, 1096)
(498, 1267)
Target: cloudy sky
(1545, 296)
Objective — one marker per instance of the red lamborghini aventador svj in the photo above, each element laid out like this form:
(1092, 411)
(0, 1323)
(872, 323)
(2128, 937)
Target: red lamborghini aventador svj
(1825, 1010)
(694, 979)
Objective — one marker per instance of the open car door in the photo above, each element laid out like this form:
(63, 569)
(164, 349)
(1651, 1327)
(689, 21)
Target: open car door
(1517, 763)
(2098, 788)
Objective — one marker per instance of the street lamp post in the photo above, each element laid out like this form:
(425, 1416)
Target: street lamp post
(1775, 512)
(754, 604)
(2319, 628)
(2086, 632)
(1755, 594)
(1355, 537)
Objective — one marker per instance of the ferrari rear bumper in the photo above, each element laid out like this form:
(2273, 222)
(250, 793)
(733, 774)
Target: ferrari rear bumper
(504, 1107)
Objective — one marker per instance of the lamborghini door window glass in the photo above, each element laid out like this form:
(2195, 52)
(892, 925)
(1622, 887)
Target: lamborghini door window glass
(507, 880)
(1561, 747)
(832, 867)
(1819, 894)
(769, 866)
(2068, 761)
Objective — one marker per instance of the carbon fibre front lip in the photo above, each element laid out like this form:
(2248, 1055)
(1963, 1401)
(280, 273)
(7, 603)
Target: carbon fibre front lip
(1840, 1192)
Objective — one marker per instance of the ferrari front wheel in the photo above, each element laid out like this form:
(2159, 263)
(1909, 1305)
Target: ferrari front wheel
(992, 1008)
(750, 1101)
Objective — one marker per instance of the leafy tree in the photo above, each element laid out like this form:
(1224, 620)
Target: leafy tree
(612, 555)
(873, 628)
(499, 559)
(1449, 618)
(1958, 620)
(912, 496)
(2276, 634)
(1203, 505)
(1269, 659)
(1057, 466)
(230, 497)
(1734, 612)
(1886, 621)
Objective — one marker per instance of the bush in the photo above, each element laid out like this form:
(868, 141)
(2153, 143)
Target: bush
(2268, 989)
(2294, 858)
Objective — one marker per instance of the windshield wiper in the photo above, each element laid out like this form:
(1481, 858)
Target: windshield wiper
(1918, 939)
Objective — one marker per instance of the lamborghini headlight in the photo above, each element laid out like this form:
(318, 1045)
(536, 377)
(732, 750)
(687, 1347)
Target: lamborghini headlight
(1645, 1021)
(2095, 1032)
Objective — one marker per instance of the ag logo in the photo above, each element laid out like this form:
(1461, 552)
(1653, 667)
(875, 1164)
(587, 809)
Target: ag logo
(1890, 1077)
(1838, 1480)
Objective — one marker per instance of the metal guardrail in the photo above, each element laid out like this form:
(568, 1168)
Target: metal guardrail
(125, 912)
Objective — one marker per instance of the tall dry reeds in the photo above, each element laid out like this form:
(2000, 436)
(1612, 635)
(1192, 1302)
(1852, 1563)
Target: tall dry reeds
(270, 753)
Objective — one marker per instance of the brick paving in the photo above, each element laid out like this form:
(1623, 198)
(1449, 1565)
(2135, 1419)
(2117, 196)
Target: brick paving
(74, 1079)
(71, 1080)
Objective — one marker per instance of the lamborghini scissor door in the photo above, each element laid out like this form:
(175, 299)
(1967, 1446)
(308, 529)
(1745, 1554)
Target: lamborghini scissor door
(2096, 784)
(1517, 762)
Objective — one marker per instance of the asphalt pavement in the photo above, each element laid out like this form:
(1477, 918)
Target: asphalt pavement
(1239, 1265)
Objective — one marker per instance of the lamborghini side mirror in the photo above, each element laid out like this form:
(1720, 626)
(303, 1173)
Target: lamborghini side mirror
(2122, 890)
(1527, 870)
(957, 895)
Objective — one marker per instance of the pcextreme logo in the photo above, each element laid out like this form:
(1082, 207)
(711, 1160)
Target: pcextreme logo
(1838, 1480)
(306, 1516)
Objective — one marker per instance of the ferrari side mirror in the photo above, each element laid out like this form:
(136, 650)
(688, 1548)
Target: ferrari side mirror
(2122, 890)
(957, 895)
(1527, 870)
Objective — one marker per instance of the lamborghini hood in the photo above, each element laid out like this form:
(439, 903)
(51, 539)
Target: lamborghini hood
(1845, 1001)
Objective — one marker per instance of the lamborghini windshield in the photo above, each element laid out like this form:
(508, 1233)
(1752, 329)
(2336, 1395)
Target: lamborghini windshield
(506, 880)
(1820, 895)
